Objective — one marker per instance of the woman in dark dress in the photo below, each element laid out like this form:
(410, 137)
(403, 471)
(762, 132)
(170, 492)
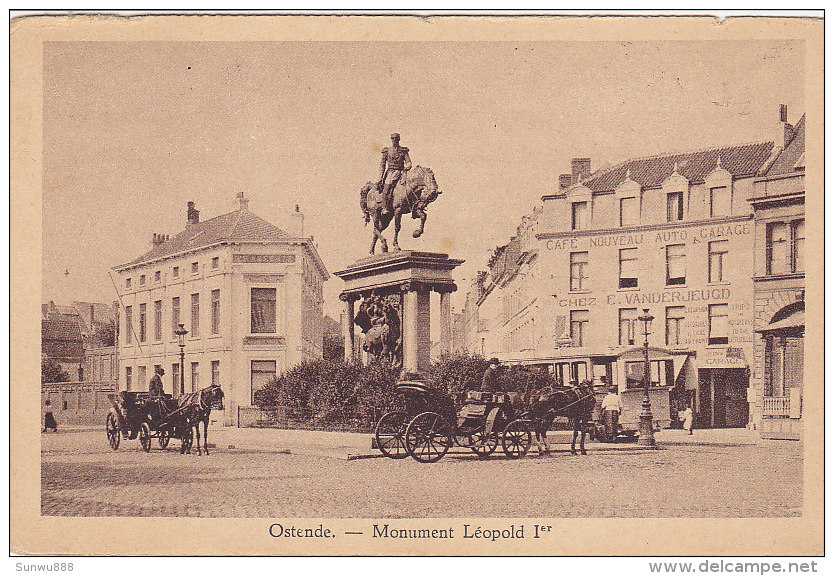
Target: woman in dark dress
(49, 422)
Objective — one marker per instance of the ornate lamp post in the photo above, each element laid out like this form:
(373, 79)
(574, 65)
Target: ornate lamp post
(181, 332)
(646, 428)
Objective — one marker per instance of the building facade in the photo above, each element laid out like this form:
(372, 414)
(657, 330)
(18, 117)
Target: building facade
(779, 286)
(248, 293)
(673, 234)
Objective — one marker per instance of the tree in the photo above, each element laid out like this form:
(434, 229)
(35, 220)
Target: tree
(333, 347)
(106, 333)
(51, 371)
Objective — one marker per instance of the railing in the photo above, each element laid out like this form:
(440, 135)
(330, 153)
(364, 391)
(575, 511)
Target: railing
(779, 406)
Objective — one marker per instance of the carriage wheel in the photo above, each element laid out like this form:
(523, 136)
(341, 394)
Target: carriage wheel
(145, 436)
(428, 437)
(164, 438)
(187, 440)
(483, 443)
(390, 434)
(114, 435)
(516, 439)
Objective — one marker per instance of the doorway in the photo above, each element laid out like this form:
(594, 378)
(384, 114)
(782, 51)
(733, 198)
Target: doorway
(722, 395)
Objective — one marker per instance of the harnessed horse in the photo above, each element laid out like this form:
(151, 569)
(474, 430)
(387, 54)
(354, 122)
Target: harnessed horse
(196, 408)
(575, 402)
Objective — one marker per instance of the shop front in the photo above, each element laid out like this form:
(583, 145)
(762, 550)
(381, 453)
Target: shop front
(723, 381)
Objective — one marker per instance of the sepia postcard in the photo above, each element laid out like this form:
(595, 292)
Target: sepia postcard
(400, 285)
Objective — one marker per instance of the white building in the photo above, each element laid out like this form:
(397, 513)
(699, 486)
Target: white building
(249, 294)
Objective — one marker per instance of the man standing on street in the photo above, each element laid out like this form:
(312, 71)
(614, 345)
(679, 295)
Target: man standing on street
(611, 408)
(395, 163)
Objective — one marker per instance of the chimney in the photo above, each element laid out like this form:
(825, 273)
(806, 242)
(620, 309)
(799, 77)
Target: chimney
(193, 214)
(244, 201)
(580, 168)
(159, 239)
(784, 131)
(297, 223)
(92, 313)
(565, 180)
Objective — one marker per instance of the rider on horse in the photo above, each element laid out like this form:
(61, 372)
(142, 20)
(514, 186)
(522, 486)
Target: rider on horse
(395, 163)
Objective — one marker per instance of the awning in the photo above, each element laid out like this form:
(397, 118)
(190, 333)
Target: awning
(794, 321)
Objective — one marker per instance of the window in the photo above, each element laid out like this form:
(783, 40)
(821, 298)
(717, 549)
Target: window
(578, 215)
(717, 252)
(127, 282)
(629, 212)
(143, 322)
(215, 262)
(128, 324)
(719, 202)
(142, 378)
(263, 311)
(777, 248)
(674, 323)
(628, 322)
(718, 329)
(674, 206)
(262, 372)
(195, 315)
(175, 315)
(798, 246)
(675, 264)
(628, 268)
(578, 326)
(195, 267)
(215, 311)
(142, 280)
(177, 384)
(578, 270)
(195, 376)
(215, 372)
(157, 276)
(157, 320)
(128, 378)
(176, 271)
(661, 373)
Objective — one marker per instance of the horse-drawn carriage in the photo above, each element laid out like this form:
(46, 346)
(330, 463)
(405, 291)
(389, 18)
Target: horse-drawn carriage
(425, 424)
(138, 414)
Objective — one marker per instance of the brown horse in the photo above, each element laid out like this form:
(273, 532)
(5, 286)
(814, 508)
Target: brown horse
(419, 188)
(196, 408)
(575, 402)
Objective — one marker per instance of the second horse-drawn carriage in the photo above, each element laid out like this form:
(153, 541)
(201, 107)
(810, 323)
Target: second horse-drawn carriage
(425, 424)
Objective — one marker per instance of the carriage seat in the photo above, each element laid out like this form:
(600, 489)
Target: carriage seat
(478, 397)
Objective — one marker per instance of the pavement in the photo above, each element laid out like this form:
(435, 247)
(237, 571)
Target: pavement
(267, 473)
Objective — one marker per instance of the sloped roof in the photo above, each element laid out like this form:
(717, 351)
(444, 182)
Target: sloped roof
(650, 172)
(787, 159)
(240, 226)
(59, 327)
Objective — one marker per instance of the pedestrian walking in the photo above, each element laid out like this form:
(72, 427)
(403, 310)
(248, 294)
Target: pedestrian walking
(49, 422)
(686, 417)
(611, 408)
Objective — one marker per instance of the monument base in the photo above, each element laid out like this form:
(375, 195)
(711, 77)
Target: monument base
(409, 277)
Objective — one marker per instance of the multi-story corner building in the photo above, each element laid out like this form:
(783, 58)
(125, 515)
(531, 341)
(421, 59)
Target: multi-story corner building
(248, 293)
(672, 234)
(779, 285)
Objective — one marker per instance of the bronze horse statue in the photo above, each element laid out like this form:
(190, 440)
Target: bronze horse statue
(415, 192)
(575, 402)
(196, 408)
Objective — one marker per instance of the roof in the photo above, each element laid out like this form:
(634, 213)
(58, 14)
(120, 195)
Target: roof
(238, 226)
(787, 160)
(795, 320)
(652, 171)
(60, 327)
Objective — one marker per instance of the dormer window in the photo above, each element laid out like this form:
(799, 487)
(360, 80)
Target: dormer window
(579, 211)
(674, 206)
(629, 211)
(720, 201)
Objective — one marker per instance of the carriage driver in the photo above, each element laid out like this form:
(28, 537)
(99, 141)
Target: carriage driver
(490, 383)
(395, 163)
(155, 388)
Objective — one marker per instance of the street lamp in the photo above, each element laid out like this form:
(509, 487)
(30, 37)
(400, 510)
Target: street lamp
(646, 428)
(181, 332)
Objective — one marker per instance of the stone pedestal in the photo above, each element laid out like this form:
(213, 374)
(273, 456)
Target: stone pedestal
(413, 276)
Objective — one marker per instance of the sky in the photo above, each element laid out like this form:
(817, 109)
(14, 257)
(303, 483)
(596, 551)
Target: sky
(134, 130)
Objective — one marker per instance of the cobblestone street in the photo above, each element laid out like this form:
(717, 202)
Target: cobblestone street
(275, 474)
